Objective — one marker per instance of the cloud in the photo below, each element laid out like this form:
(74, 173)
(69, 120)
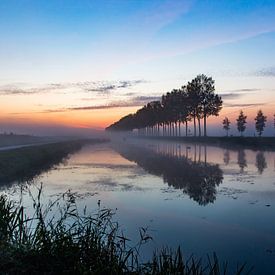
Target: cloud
(146, 99)
(132, 102)
(265, 72)
(230, 96)
(162, 15)
(100, 87)
(244, 105)
(13, 89)
(235, 94)
(106, 88)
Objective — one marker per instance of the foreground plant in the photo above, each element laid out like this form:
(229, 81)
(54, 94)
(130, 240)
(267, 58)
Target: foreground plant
(69, 243)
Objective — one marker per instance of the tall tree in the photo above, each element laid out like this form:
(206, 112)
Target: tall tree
(194, 101)
(204, 100)
(260, 122)
(241, 122)
(226, 125)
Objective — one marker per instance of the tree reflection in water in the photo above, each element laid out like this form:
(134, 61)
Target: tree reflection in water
(226, 157)
(195, 178)
(260, 162)
(242, 160)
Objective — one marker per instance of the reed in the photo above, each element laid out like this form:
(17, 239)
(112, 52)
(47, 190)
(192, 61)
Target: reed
(57, 239)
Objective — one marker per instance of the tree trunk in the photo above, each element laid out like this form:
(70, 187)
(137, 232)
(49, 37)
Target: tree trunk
(204, 126)
(199, 124)
(186, 128)
(205, 154)
(195, 127)
(173, 129)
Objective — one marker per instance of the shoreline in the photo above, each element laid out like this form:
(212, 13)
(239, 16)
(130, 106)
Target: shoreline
(253, 143)
(26, 162)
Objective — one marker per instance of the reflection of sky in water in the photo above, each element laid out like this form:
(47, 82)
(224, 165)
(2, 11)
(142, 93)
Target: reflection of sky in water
(239, 224)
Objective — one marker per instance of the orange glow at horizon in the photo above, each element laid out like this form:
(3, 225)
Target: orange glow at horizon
(102, 118)
(99, 118)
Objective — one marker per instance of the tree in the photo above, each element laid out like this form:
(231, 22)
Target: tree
(196, 101)
(226, 125)
(204, 101)
(260, 122)
(241, 121)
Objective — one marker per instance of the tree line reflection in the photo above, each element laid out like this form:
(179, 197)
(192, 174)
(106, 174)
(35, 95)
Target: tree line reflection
(260, 161)
(196, 178)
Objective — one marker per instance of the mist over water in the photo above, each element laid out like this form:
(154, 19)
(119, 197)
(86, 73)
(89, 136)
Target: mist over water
(201, 197)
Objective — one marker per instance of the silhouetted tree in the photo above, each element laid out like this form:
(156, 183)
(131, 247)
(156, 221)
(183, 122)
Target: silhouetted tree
(260, 121)
(226, 125)
(194, 101)
(241, 121)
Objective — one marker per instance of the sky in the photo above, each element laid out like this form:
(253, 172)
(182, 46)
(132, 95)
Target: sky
(82, 64)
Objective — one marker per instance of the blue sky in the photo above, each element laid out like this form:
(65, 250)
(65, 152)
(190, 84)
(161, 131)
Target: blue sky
(156, 45)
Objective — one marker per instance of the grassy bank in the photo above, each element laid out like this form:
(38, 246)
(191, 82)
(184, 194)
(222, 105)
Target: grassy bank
(66, 242)
(254, 143)
(13, 140)
(23, 164)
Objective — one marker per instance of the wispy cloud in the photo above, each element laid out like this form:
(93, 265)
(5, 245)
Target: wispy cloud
(132, 102)
(145, 99)
(100, 87)
(235, 94)
(243, 105)
(230, 96)
(162, 15)
(16, 90)
(265, 72)
(106, 88)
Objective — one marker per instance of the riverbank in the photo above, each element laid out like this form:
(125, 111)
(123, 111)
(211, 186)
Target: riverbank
(253, 143)
(23, 164)
(16, 140)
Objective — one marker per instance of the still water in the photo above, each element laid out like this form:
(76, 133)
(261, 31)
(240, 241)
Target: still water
(202, 198)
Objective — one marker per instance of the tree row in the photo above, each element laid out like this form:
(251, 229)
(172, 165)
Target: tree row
(194, 102)
(260, 123)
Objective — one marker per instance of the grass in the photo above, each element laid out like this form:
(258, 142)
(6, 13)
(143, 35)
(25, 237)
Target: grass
(13, 139)
(23, 164)
(57, 239)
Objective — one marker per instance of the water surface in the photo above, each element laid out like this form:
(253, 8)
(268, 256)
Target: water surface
(203, 198)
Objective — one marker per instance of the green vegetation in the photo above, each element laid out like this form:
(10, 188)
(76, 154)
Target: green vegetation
(56, 239)
(23, 164)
